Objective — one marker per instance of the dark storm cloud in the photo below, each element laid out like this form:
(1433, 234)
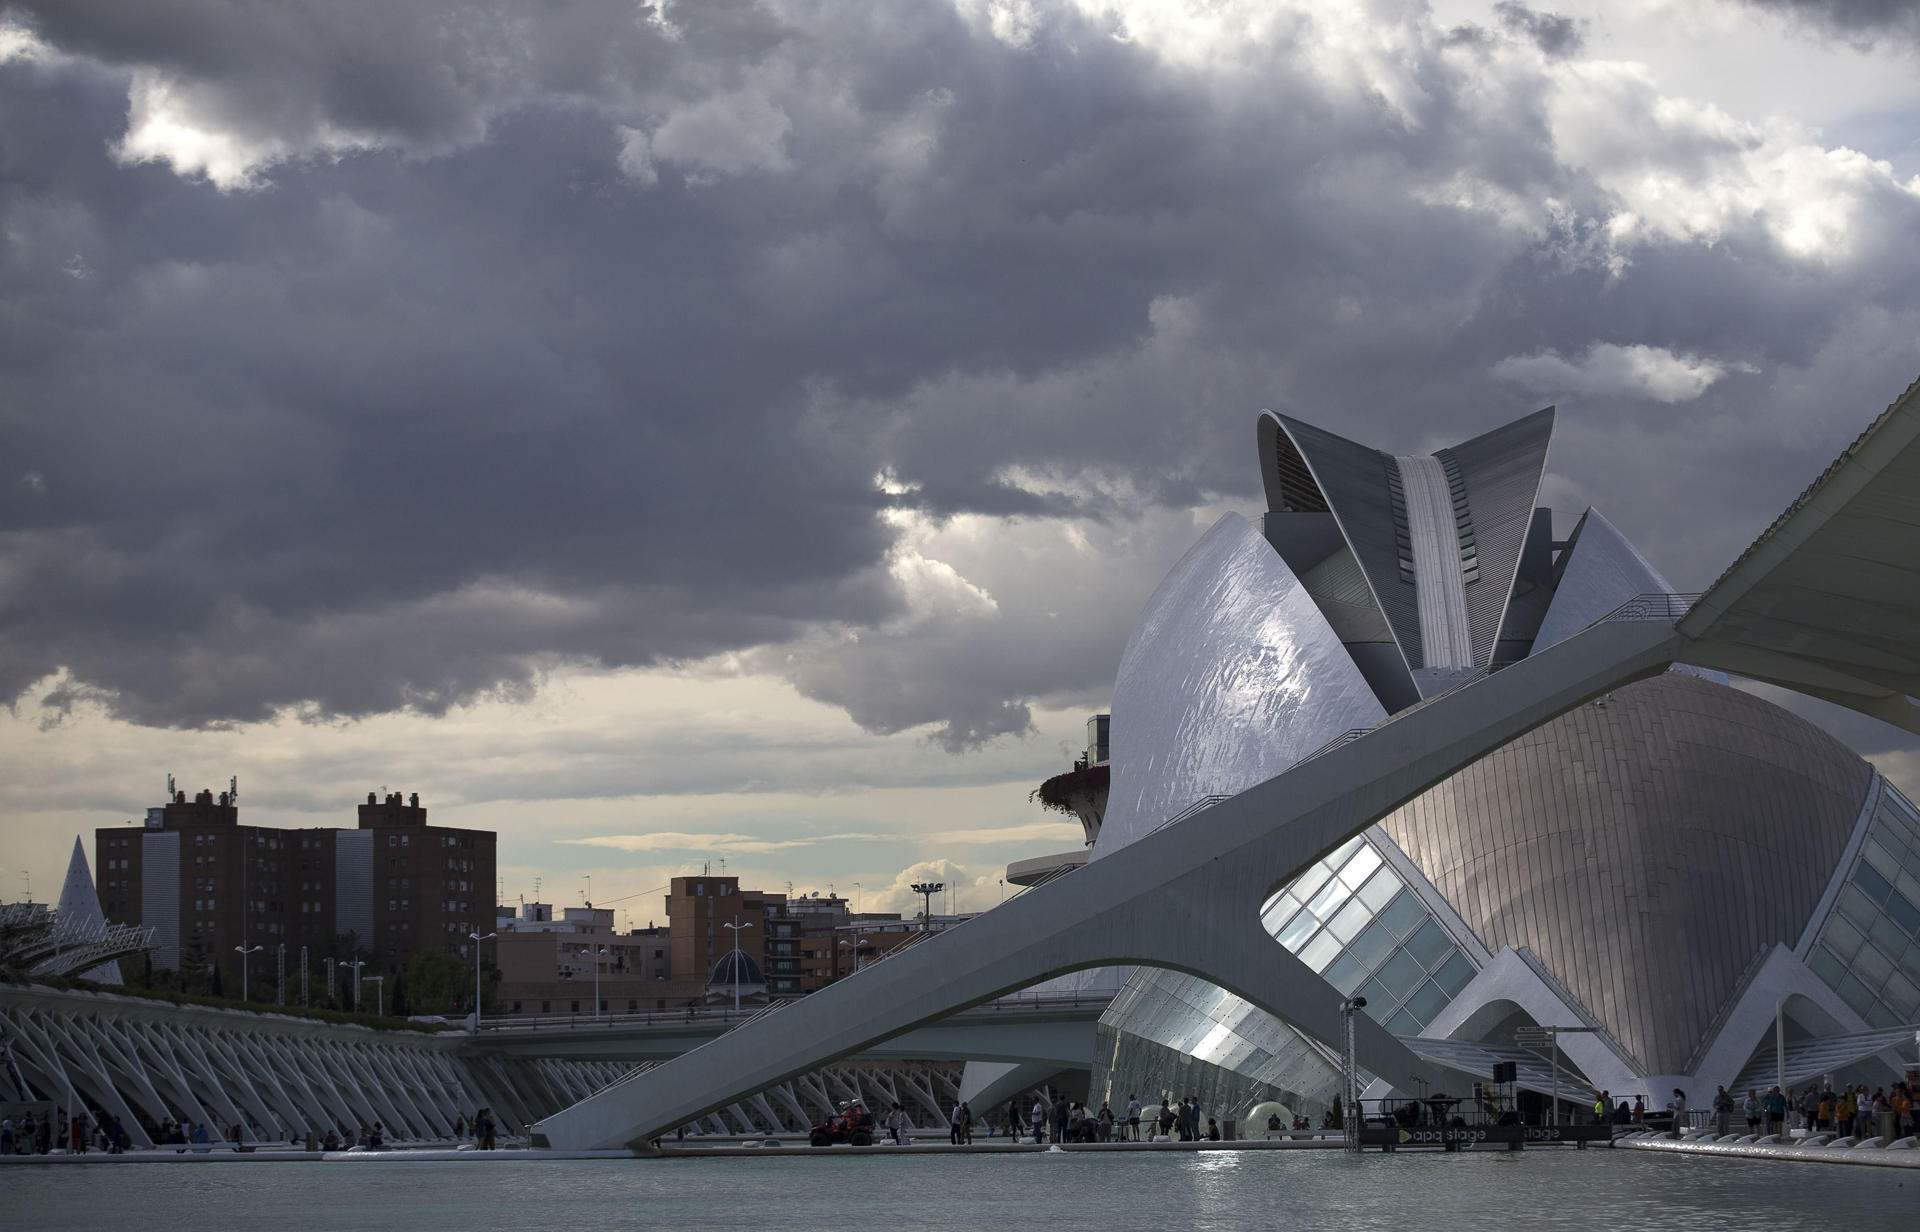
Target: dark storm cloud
(527, 335)
(1861, 20)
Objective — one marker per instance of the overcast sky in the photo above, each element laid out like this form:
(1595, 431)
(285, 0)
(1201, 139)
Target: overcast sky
(749, 430)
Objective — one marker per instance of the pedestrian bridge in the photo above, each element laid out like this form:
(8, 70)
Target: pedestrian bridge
(1032, 1028)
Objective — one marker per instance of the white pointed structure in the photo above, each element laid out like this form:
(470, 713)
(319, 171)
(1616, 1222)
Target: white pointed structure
(80, 909)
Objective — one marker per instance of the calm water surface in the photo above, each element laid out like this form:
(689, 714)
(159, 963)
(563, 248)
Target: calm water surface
(1251, 1189)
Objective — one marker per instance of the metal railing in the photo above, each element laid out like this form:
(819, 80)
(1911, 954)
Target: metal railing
(1652, 607)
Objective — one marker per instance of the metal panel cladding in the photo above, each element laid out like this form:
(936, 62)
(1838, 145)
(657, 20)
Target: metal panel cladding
(1645, 847)
(1501, 470)
(1231, 676)
(1359, 484)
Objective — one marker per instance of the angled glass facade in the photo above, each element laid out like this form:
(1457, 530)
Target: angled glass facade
(1868, 950)
(1357, 923)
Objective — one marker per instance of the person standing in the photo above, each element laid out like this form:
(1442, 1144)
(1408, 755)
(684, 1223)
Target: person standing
(1013, 1120)
(897, 1124)
(1038, 1116)
(1776, 1111)
(1133, 1118)
(1677, 1107)
(1722, 1112)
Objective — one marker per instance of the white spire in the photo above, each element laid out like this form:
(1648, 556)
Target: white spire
(80, 904)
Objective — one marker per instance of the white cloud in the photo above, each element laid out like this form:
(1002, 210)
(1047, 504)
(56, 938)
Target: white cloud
(726, 135)
(636, 156)
(1610, 370)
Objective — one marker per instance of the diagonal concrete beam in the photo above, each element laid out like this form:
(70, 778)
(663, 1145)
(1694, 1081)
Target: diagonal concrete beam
(1186, 897)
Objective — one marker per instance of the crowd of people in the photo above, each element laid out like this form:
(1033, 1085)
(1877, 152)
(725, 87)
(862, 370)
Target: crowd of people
(43, 1135)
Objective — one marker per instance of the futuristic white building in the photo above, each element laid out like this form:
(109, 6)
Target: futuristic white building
(1447, 761)
(1662, 867)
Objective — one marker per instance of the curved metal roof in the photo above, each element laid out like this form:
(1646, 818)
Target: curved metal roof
(1645, 847)
(1231, 676)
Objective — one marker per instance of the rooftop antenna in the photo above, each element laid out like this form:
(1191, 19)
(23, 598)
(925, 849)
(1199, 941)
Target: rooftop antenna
(587, 898)
(233, 790)
(536, 889)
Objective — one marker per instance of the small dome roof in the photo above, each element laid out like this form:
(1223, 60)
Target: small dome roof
(736, 967)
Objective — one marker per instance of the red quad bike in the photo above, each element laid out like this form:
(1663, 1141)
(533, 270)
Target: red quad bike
(854, 1126)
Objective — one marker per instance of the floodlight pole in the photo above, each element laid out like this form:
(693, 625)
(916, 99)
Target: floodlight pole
(926, 890)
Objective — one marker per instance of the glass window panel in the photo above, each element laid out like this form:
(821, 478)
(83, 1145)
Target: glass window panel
(1346, 973)
(1827, 965)
(1856, 906)
(1854, 993)
(1371, 945)
(1378, 892)
(1903, 913)
(1405, 914)
(1378, 998)
(1910, 961)
(1872, 967)
(1298, 929)
(1890, 937)
(1909, 887)
(1902, 994)
(1328, 900)
(1430, 944)
(1881, 860)
(1320, 951)
(1404, 1023)
(1307, 884)
(1869, 879)
(1352, 918)
(1428, 1000)
(1346, 849)
(1360, 867)
(1842, 936)
(1401, 974)
(1881, 1016)
(1454, 974)
(1278, 910)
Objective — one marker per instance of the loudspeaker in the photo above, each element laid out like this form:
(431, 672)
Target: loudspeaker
(1505, 1071)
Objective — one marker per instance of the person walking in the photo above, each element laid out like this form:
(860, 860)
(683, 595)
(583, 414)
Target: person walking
(1013, 1120)
(1060, 1111)
(966, 1123)
(1722, 1112)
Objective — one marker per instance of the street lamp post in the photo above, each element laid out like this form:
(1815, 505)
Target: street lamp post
(354, 967)
(476, 938)
(280, 975)
(379, 993)
(596, 954)
(926, 890)
(243, 951)
(736, 926)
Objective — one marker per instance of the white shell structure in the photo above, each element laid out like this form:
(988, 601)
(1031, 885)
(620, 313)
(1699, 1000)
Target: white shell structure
(1231, 676)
